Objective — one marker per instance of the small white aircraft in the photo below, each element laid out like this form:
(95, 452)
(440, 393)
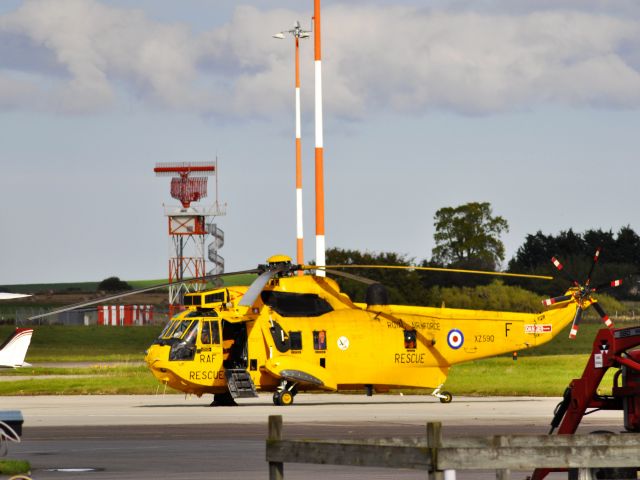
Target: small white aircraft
(14, 349)
(11, 296)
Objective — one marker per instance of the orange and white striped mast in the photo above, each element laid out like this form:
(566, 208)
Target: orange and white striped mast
(298, 33)
(320, 239)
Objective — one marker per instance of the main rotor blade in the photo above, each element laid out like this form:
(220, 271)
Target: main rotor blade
(350, 276)
(255, 289)
(550, 301)
(603, 315)
(576, 323)
(556, 263)
(606, 286)
(134, 292)
(560, 267)
(596, 256)
(434, 269)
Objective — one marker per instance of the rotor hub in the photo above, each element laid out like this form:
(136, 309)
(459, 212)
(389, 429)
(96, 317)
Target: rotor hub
(581, 294)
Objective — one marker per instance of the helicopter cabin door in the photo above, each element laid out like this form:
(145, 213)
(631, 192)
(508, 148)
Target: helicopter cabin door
(234, 344)
(236, 355)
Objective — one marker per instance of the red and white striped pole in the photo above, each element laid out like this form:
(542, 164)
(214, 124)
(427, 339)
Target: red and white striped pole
(320, 239)
(299, 224)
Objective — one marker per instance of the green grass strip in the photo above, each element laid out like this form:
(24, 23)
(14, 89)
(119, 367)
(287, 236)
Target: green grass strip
(528, 376)
(98, 369)
(14, 467)
(137, 383)
(58, 343)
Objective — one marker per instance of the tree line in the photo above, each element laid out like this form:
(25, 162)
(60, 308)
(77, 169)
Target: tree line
(619, 259)
(468, 237)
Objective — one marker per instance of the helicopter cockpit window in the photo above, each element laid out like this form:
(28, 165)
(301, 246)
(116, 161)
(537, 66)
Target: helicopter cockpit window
(171, 328)
(202, 313)
(186, 348)
(217, 297)
(181, 327)
(296, 340)
(320, 340)
(167, 328)
(289, 304)
(191, 300)
(409, 339)
(210, 333)
(192, 331)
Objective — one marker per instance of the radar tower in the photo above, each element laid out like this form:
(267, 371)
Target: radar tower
(188, 227)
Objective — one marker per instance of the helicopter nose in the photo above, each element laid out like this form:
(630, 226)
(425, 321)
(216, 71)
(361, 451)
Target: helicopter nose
(151, 357)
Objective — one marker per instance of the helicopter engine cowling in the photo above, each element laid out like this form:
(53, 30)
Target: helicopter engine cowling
(377, 295)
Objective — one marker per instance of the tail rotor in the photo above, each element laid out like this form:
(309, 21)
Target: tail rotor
(576, 322)
(603, 315)
(582, 294)
(550, 301)
(560, 267)
(596, 256)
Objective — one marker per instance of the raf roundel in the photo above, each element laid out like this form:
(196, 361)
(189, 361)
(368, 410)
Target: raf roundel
(455, 339)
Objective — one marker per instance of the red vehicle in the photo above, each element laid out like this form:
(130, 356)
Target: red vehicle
(611, 349)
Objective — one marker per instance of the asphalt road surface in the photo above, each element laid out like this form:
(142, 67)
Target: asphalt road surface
(173, 437)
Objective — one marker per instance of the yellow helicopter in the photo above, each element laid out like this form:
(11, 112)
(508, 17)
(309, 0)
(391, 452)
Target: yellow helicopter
(288, 333)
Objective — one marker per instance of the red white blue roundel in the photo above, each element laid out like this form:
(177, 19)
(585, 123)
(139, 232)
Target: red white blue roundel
(455, 339)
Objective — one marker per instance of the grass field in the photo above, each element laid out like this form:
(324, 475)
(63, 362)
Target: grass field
(530, 376)
(85, 287)
(14, 467)
(98, 380)
(92, 287)
(535, 376)
(57, 343)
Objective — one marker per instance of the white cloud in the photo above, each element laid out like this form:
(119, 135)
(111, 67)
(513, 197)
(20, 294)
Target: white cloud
(100, 47)
(481, 63)
(399, 58)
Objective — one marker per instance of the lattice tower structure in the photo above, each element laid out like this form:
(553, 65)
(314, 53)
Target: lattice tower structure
(188, 226)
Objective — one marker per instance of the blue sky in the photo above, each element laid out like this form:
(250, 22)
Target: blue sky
(532, 106)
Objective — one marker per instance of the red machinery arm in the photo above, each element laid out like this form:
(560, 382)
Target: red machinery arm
(610, 350)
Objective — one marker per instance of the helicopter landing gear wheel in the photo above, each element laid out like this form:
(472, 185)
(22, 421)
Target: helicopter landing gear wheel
(443, 396)
(446, 397)
(285, 394)
(286, 398)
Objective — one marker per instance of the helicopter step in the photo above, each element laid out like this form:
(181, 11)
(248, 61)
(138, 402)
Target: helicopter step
(240, 383)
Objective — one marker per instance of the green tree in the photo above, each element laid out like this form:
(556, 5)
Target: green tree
(404, 287)
(113, 284)
(468, 236)
(620, 258)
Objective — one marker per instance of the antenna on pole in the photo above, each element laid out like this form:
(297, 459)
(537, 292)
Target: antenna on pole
(297, 32)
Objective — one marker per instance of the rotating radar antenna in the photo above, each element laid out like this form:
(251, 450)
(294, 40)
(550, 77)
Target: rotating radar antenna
(189, 226)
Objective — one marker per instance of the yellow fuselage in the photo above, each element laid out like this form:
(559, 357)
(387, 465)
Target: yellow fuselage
(303, 327)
